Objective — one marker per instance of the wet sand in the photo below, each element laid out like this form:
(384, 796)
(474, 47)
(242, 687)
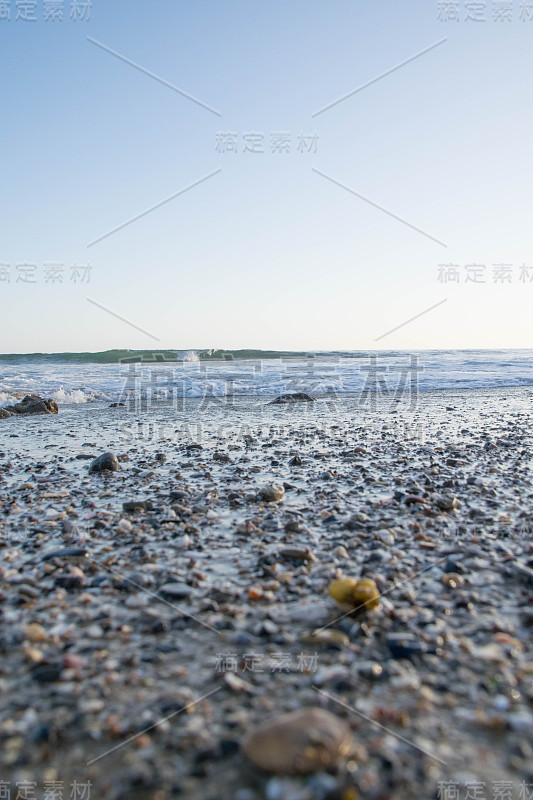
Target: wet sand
(140, 645)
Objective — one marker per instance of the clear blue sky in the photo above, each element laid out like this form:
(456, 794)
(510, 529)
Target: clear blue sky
(267, 252)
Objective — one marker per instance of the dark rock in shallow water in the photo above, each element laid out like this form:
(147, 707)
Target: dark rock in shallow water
(71, 583)
(134, 581)
(117, 405)
(33, 404)
(66, 552)
(179, 494)
(4, 413)
(297, 554)
(107, 462)
(46, 673)
(130, 506)
(296, 397)
(407, 645)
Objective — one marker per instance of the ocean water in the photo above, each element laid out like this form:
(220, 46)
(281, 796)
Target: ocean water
(79, 378)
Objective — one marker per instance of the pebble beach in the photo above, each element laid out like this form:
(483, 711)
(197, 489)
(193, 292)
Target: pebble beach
(159, 619)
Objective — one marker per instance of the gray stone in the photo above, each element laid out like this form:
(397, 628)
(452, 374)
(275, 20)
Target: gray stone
(446, 502)
(137, 505)
(295, 397)
(66, 552)
(304, 741)
(175, 591)
(272, 493)
(107, 462)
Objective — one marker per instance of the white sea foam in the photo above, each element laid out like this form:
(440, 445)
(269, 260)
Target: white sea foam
(74, 396)
(7, 399)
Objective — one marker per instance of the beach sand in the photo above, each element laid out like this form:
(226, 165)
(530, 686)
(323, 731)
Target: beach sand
(140, 646)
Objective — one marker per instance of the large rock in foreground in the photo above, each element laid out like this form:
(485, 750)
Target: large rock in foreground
(32, 404)
(296, 397)
(309, 740)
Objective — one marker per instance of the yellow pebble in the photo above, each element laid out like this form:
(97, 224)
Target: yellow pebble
(350, 794)
(342, 590)
(349, 591)
(366, 592)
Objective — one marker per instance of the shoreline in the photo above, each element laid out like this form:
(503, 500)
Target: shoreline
(336, 375)
(95, 650)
